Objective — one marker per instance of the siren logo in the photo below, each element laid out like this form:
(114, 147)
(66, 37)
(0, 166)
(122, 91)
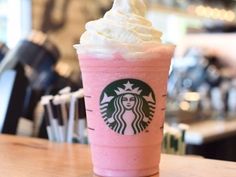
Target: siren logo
(127, 106)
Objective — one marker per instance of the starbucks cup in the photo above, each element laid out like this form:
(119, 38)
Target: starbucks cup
(125, 104)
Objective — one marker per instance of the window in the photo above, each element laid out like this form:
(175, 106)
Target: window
(15, 20)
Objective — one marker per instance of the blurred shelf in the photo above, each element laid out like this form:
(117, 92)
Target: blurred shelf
(210, 130)
(173, 11)
(190, 12)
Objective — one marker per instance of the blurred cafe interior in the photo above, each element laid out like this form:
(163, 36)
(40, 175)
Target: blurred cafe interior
(38, 61)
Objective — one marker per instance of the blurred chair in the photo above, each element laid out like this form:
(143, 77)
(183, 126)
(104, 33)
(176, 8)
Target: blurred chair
(13, 85)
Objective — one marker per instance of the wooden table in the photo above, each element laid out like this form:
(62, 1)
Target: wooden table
(26, 157)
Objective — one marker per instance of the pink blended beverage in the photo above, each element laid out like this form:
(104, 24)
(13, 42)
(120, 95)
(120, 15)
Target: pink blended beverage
(125, 92)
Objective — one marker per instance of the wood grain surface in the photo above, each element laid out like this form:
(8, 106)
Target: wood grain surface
(28, 157)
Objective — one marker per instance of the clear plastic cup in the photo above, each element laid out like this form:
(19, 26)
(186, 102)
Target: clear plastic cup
(125, 104)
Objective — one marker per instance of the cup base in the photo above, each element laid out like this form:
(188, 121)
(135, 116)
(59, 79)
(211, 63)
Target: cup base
(126, 173)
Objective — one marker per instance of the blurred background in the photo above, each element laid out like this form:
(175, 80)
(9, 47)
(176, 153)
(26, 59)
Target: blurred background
(37, 59)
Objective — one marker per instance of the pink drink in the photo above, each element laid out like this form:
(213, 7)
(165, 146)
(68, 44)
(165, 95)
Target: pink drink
(125, 103)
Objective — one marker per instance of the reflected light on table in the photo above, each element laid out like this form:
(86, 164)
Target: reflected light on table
(156, 175)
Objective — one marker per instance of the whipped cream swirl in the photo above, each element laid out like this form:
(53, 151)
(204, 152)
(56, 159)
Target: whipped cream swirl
(124, 28)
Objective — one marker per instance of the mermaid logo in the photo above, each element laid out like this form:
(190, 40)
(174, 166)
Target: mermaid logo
(127, 106)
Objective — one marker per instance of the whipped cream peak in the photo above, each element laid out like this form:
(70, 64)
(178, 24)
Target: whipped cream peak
(131, 6)
(124, 26)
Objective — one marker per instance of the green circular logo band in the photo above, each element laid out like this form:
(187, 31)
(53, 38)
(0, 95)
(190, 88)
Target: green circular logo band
(127, 106)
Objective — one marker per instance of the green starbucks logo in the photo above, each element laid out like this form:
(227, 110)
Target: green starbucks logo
(127, 106)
